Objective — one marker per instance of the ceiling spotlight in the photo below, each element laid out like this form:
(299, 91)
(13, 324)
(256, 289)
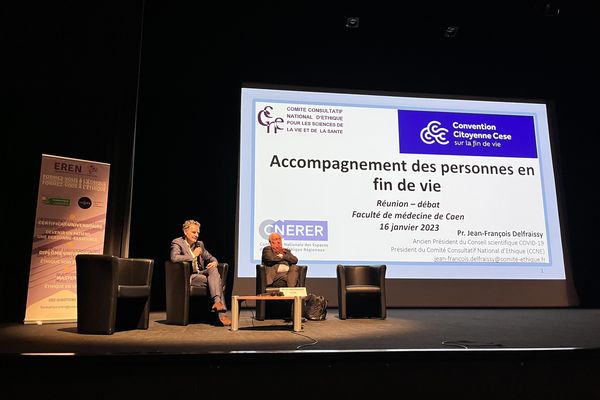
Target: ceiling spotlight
(451, 31)
(352, 22)
(550, 10)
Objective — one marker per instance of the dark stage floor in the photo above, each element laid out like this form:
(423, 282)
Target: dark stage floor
(432, 352)
(404, 329)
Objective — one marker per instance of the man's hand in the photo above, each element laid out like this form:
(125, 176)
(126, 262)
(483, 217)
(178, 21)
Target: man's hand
(211, 265)
(197, 251)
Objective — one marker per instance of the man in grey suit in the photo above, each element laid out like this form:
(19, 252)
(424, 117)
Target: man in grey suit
(281, 263)
(204, 266)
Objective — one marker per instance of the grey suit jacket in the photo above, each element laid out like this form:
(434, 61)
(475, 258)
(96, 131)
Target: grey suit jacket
(180, 252)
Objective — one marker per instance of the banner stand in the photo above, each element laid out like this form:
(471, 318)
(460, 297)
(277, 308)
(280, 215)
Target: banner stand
(70, 219)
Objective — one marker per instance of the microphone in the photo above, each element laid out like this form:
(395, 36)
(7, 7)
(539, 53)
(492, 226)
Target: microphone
(198, 244)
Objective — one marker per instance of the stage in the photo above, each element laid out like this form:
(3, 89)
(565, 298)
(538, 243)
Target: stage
(432, 330)
(490, 352)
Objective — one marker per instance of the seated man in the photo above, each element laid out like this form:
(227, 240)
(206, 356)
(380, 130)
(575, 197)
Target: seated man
(204, 271)
(281, 265)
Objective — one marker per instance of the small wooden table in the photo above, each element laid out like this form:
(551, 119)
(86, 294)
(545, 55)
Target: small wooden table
(235, 308)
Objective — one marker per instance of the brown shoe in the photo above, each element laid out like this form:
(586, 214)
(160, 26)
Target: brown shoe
(219, 307)
(224, 319)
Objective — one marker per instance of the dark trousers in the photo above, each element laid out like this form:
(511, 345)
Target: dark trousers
(283, 279)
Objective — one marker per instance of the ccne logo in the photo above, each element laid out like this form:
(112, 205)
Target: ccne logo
(433, 133)
(266, 118)
(295, 229)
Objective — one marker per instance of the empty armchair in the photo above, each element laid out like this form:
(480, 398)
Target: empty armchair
(361, 290)
(113, 293)
(182, 297)
(269, 309)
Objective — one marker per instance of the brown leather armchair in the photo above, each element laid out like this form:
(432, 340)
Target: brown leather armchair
(361, 290)
(187, 303)
(113, 293)
(274, 309)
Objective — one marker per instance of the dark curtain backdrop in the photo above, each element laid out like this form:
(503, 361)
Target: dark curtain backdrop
(70, 87)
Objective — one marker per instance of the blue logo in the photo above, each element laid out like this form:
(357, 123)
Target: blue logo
(451, 133)
(434, 132)
(295, 229)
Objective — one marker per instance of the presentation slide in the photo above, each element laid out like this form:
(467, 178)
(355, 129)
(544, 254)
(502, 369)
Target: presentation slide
(435, 188)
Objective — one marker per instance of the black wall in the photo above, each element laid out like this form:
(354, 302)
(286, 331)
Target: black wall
(72, 92)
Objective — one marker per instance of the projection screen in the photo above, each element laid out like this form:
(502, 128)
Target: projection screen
(452, 194)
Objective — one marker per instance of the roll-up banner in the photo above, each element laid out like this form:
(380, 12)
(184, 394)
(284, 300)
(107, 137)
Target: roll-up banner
(70, 219)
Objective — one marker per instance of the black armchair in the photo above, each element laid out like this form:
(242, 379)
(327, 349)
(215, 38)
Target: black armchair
(182, 297)
(113, 293)
(274, 309)
(361, 289)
